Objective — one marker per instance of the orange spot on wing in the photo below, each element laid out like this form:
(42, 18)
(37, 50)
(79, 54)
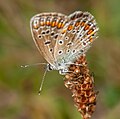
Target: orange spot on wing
(53, 24)
(77, 23)
(91, 39)
(42, 23)
(82, 23)
(48, 23)
(87, 27)
(90, 32)
(36, 26)
(70, 27)
(63, 31)
(60, 25)
(56, 23)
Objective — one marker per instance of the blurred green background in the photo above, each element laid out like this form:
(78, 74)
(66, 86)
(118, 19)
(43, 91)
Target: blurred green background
(19, 86)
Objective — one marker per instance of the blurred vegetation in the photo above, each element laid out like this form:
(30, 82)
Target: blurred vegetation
(19, 86)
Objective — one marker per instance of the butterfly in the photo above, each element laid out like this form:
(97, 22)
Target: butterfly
(61, 39)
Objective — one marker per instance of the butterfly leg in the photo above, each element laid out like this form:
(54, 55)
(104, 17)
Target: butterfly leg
(63, 72)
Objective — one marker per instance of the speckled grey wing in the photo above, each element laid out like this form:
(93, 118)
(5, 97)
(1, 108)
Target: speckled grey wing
(45, 28)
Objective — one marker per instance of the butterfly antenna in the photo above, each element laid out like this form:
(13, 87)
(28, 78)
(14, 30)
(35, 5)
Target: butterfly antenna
(41, 85)
(27, 65)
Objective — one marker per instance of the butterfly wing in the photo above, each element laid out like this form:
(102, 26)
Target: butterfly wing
(77, 36)
(45, 29)
(86, 32)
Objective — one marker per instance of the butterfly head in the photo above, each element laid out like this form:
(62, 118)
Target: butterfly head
(60, 65)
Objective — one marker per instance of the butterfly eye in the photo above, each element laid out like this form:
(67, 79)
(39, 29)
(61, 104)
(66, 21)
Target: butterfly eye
(59, 64)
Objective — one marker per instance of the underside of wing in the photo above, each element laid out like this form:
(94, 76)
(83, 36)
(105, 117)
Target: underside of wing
(87, 31)
(76, 36)
(45, 28)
